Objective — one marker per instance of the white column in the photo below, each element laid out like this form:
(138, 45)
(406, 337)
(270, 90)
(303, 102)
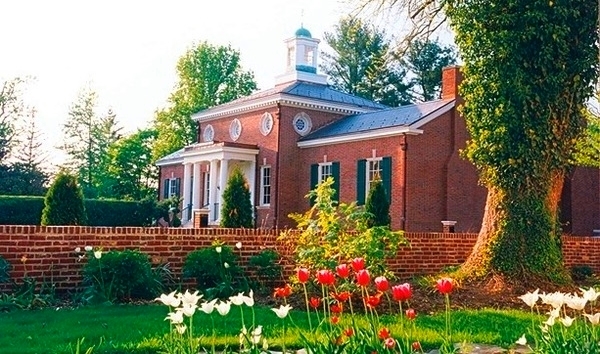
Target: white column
(213, 190)
(197, 187)
(222, 182)
(252, 182)
(187, 174)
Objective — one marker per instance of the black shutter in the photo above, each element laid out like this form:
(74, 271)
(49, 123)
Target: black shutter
(166, 187)
(314, 179)
(386, 176)
(361, 171)
(178, 187)
(335, 173)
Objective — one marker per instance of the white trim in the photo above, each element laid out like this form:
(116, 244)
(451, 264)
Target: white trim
(320, 178)
(262, 186)
(367, 135)
(230, 109)
(177, 161)
(433, 115)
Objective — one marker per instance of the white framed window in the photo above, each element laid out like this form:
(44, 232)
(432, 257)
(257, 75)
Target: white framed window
(302, 123)
(265, 185)
(173, 187)
(325, 170)
(209, 133)
(373, 172)
(266, 123)
(235, 129)
(206, 189)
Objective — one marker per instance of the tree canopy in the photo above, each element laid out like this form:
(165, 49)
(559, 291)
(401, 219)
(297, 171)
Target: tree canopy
(425, 59)
(209, 75)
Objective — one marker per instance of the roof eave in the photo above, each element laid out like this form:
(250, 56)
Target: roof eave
(367, 135)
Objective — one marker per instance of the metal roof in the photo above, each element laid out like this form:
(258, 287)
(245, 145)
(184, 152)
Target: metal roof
(387, 118)
(172, 158)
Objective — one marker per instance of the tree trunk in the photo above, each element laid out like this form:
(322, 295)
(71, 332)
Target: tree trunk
(520, 235)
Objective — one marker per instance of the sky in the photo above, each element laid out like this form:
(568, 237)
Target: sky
(127, 50)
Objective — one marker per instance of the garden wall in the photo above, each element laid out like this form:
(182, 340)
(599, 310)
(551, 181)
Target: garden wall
(48, 252)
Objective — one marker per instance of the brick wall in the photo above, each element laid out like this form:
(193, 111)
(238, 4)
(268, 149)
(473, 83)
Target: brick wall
(51, 257)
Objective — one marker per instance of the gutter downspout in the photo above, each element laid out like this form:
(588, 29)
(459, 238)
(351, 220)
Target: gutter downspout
(403, 147)
(276, 208)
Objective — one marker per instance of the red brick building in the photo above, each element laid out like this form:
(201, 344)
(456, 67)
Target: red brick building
(288, 138)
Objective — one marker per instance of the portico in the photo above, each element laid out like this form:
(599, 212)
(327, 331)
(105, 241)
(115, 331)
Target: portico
(207, 167)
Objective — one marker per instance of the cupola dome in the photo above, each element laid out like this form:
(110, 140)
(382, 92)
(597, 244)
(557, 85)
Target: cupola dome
(303, 32)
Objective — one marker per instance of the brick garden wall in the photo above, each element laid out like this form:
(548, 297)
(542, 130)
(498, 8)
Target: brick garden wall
(51, 257)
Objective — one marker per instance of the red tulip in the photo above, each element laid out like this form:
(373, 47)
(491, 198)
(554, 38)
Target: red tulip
(336, 308)
(382, 284)
(384, 333)
(283, 292)
(342, 270)
(303, 275)
(411, 314)
(363, 278)
(349, 332)
(315, 302)
(444, 285)
(401, 292)
(358, 264)
(325, 277)
(416, 346)
(389, 343)
(335, 320)
(373, 301)
(343, 296)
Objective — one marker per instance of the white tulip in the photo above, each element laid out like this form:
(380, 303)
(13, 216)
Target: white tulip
(208, 306)
(218, 249)
(175, 317)
(188, 298)
(590, 294)
(522, 340)
(530, 298)
(567, 321)
(181, 328)
(88, 248)
(249, 300)
(170, 300)
(237, 300)
(223, 307)
(575, 302)
(226, 265)
(238, 245)
(282, 311)
(550, 321)
(77, 249)
(98, 254)
(188, 309)
(556, 299)
(594, 319)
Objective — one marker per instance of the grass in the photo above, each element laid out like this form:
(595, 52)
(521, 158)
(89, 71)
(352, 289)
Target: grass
(138, 328)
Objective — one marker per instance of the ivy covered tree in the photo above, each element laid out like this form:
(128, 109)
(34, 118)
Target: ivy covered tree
(63, 204)
(378, 205)
(529, 68)
(237, 207)
(208, 76)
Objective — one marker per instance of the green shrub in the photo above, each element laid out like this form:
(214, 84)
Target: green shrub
(120, 276)
(4, 270)
(266, 268)
(237, 207)
(21, 210)
(103, 212)
(63, 204)
(581, 272)
(217, 273)
(378, 205)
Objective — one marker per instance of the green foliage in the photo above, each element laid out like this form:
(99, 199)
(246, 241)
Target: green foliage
(588, 147)
(267, 269)
(216, 270)
(362, 63)
(11, 111)
(63, 204)
(21, 210)
(378, 205)
(529, 68)
(426, 59)
(581, 272)
(330, 234)
(4, 270)
(120, 276)
(208, 76)
(237, 207)
(19, 179)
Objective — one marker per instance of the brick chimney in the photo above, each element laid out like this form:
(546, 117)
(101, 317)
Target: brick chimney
(451, 78)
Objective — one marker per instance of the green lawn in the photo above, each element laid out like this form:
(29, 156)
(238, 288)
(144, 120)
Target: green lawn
(133, 328)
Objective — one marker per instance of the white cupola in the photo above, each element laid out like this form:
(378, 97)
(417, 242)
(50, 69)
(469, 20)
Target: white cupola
(301, 59)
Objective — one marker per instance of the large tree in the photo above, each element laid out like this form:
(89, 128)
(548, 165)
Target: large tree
(529, 68)
(11, 111)
(425, 59)
(131, 170)
(208, 76)
(363, 64)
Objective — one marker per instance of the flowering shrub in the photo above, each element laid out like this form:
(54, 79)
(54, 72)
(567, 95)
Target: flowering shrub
(571, 325)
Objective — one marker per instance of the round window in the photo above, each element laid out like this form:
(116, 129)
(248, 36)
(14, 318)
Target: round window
(266, 123)
(302, 123)
(209, 133)
(235, 129)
